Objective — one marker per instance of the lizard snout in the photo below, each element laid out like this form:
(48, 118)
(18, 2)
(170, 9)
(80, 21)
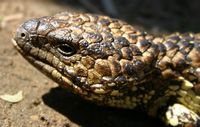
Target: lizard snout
(26, 32)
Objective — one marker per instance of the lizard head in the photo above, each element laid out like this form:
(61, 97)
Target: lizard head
(82, 54)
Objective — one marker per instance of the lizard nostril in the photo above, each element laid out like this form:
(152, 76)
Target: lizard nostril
(23, 34)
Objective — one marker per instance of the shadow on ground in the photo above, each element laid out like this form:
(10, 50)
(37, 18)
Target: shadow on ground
(90, 115)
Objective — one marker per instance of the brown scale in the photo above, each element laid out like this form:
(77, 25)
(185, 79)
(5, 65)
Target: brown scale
(102, 67)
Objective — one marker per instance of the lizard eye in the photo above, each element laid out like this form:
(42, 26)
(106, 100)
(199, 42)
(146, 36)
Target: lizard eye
(66, 50)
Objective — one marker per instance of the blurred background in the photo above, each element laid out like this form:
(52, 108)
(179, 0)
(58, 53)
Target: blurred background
(44, 104)
(158, 15)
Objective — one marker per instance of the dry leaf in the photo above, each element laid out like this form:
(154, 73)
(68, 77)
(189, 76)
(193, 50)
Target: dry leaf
(12, 98)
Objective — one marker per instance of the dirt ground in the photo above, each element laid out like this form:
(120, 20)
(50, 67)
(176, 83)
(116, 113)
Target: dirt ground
(44, 103)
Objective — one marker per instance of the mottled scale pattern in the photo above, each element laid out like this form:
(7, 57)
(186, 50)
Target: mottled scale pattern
(112, 63)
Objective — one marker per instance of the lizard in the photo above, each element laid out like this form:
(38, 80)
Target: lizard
(109, 62)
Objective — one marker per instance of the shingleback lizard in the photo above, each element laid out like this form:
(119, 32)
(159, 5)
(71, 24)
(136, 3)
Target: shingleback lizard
(110, 62)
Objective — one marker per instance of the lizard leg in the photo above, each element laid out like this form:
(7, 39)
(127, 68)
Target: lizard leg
(178, 115)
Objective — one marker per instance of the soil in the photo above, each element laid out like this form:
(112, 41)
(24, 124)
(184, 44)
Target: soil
(47, 105)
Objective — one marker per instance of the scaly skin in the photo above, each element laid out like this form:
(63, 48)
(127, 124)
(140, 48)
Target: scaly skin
(109, 62)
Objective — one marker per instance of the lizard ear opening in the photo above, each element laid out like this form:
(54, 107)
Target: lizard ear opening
(66, 50)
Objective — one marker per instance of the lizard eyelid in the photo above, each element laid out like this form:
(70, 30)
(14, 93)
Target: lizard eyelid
(66, 49)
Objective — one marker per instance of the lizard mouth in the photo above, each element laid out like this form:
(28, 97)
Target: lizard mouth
(34, 56)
